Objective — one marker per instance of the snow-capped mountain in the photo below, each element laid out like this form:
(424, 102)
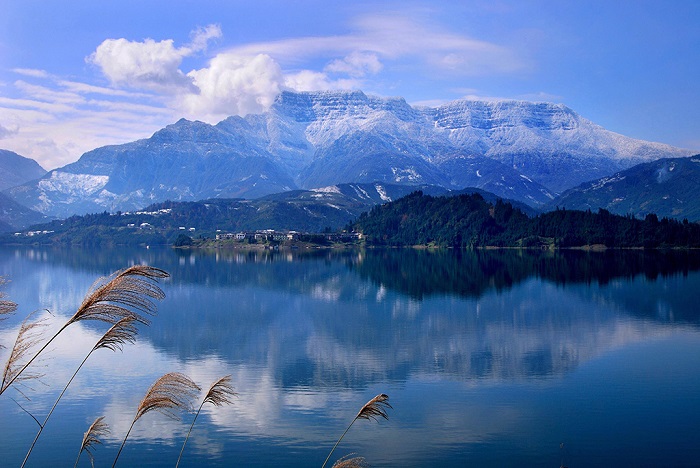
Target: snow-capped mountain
(519, 150)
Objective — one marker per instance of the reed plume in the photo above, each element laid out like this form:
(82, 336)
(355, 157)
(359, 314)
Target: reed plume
(126, 293)
(27, 338)
(354, 462)
(219, 394)
(91, 438)
(6, 307)
(114, 339)
(373, 410)
(170, 392)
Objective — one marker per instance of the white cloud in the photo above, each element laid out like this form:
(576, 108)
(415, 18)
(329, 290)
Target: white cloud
(148, 64)
(6, 132)
(55, 126)
(394, 37)
(45, 94)
(84, 88)
(357, 64)
(307, 80)
(234, 85)
(202, 36)
(31, 72)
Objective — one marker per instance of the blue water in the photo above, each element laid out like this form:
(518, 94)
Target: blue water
(488, 358)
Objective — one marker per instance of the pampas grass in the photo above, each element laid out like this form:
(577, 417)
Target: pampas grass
(91, 438)
(170, 392)
(127, 293)
(219, 394)
(120, 333)
(28, 337)
(373, 410)
(6, 307)
(354, 462)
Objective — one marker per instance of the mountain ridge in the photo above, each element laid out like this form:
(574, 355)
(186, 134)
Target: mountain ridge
(16, 169)
(530, 151)
(667, 187)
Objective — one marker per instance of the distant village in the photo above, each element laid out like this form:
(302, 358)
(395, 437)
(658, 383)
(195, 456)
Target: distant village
(281, 236)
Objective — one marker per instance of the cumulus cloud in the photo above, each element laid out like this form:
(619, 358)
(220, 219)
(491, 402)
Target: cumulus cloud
(234, 84)
(149, 64)
(357, 64)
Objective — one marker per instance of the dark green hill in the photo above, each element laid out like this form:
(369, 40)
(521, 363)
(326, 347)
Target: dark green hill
(667, 187)
(468, 221)
(300, 210)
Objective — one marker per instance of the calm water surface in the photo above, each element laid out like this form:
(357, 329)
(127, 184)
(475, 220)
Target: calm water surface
(489, 358)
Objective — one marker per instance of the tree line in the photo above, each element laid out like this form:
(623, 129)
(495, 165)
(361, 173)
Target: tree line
(469, 221)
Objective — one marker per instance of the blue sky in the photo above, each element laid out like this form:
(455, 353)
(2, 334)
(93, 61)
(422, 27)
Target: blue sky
(75, 75)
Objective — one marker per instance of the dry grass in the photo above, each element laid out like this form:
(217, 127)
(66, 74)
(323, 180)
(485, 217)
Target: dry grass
(28, 337)
(372, 410)
(127, 293)
(92, 437)
(219, 394)
(6, 307)
(121, 332)
(354, 462)
(170, 392)
(375, 408)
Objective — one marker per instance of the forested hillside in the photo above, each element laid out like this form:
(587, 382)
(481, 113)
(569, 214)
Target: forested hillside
(469, 221)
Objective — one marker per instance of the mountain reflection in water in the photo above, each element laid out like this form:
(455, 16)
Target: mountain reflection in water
(313, 333)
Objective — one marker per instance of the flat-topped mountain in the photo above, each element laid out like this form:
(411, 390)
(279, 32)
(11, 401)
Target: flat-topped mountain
(517, 150)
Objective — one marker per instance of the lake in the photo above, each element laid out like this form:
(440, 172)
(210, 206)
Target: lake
(489, 358)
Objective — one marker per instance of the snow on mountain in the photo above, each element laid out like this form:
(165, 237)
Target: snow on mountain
(519, 150)
(549, 143)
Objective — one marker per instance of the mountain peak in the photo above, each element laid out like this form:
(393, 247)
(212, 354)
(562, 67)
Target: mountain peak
(519, 150)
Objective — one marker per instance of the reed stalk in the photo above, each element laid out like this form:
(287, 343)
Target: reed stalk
(114, 339)
(170, 392)
(373, 409)
(219, 394)
(91, 438)
(6, 307)
(28, 337)
(126, 293)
